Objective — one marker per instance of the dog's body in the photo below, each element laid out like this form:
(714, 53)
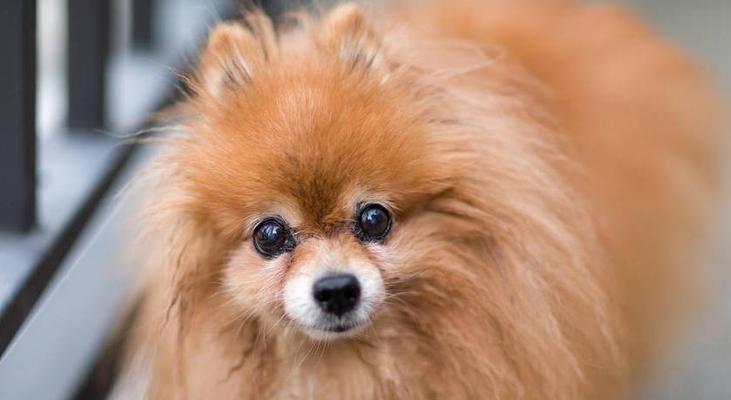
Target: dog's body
(549, 168)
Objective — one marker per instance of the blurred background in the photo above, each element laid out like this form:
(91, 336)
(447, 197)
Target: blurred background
(80, 77)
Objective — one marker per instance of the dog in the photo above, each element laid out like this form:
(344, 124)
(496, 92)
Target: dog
(436, 200)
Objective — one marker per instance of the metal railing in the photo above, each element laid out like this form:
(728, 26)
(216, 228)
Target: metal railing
(24, 302)
(17, 115)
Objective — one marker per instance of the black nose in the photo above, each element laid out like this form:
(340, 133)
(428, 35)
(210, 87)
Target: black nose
(337, 294)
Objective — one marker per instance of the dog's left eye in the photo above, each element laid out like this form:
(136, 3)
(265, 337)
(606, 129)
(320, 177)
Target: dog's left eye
(373, 223)
(272, 238)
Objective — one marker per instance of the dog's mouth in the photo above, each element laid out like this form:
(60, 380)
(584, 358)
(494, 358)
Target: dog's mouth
(331, 331)
(340, 328)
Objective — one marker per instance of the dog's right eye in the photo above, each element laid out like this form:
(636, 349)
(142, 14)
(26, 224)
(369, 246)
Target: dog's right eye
(272, 238)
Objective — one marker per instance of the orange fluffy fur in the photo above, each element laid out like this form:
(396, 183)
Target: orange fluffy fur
(552, 169)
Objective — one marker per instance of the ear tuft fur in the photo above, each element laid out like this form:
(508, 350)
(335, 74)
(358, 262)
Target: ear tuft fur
(346, 32)
(234, 51)
(225, 61)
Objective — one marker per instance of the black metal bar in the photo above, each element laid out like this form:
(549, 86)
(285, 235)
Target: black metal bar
(276, 9)
(88, 50)
(17, 115)
(143, 13)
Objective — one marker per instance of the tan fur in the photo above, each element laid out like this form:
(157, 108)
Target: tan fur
(551, 166)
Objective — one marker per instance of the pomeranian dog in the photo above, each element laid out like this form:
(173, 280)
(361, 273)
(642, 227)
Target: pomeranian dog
(435, 200)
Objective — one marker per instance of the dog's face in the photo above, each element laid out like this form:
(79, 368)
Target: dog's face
(324, 278)
(310, 167)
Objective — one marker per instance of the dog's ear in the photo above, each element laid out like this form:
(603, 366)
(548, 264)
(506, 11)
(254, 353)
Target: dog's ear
(235, 50)
(346, 32)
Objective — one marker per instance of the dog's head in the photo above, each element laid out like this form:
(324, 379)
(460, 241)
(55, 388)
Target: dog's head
(308, 165)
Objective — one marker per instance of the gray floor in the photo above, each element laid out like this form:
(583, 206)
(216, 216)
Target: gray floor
(701, 367)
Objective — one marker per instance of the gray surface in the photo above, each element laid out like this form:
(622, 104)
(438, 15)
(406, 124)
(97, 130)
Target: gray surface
(71, 321)
(68, 169)
(703, 27)
(700, 368)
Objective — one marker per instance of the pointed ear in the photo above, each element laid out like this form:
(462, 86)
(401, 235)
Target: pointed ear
(234, 52)
(347, 33)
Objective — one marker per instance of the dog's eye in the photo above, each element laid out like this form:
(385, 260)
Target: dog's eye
(374, 223)
(272, 238)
